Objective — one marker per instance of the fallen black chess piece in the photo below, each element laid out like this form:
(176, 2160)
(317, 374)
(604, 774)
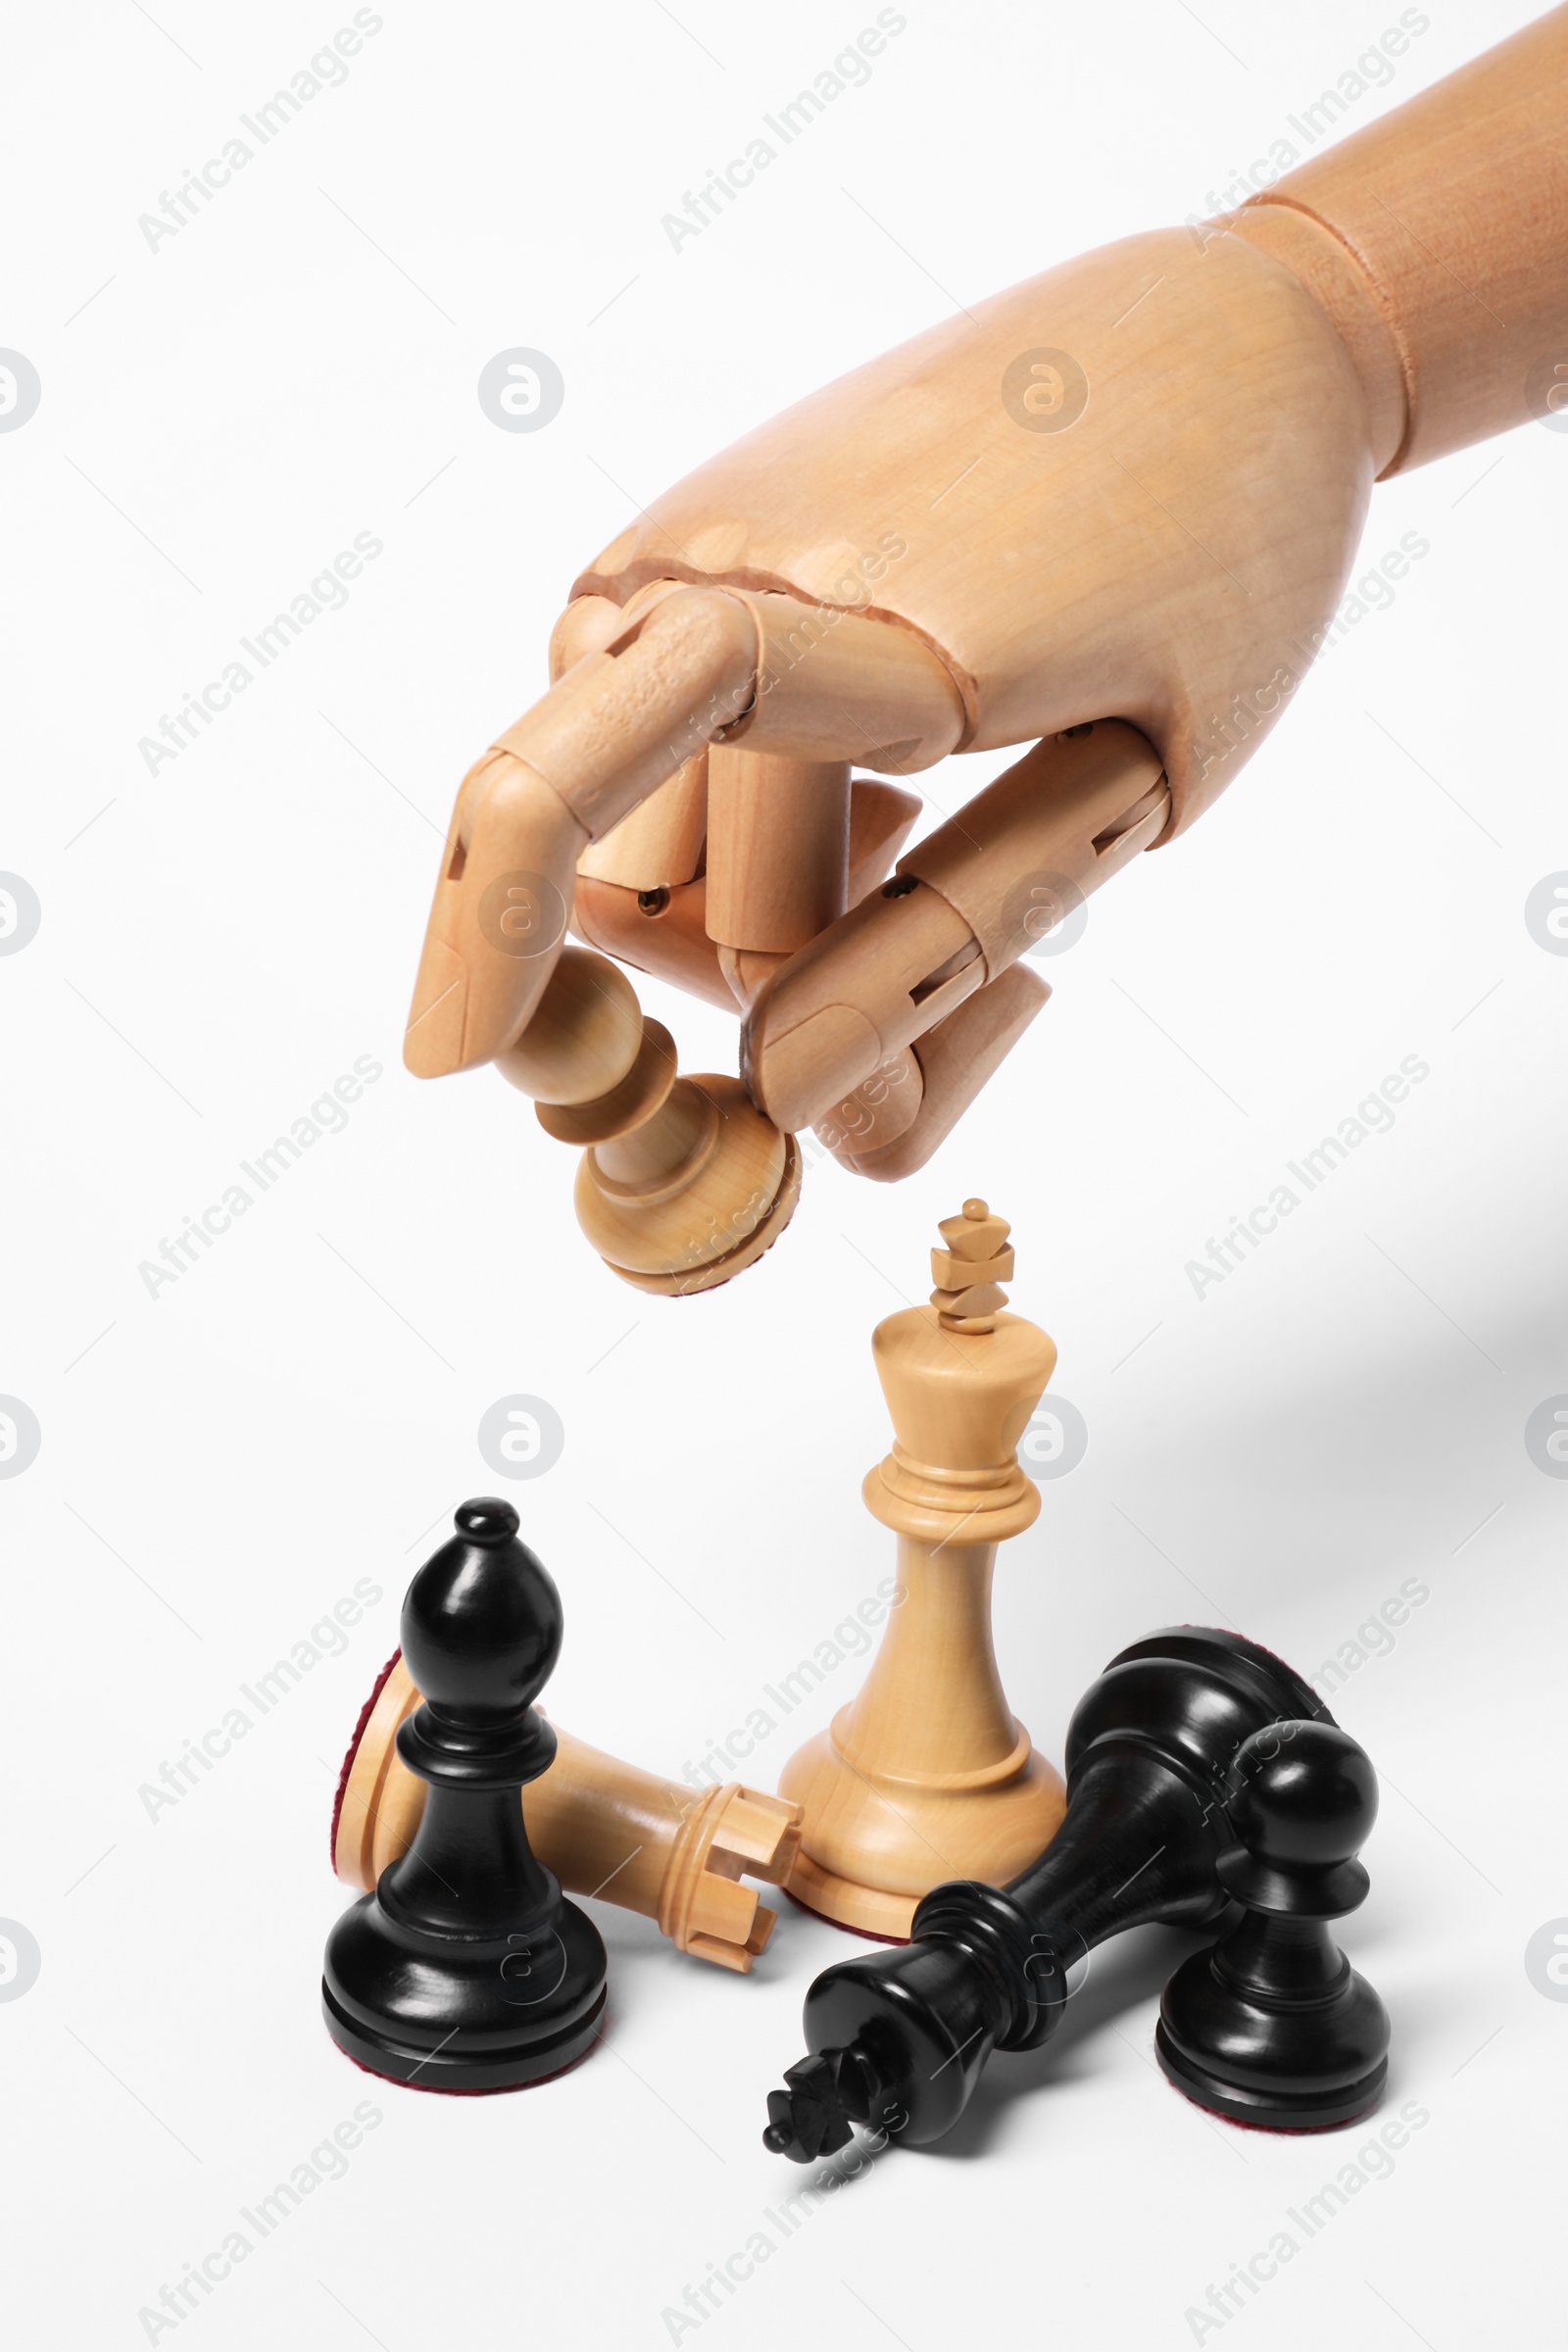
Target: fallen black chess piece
(1198, 1768)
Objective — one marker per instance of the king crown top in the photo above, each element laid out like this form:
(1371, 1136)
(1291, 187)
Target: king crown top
(970, 1267)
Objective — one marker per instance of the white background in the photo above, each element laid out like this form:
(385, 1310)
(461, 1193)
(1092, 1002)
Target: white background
(220, 940)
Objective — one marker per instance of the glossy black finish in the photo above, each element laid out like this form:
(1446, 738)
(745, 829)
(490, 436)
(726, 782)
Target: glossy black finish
(1273, 2026)
(898, 2038)
(467, 1969)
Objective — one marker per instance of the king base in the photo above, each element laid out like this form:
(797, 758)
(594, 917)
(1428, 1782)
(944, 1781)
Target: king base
(906, 1839)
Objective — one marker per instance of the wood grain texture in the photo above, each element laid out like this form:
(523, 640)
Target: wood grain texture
(662, 928)
(584, 1035)
(659, 845)
(1455, 210)
(588, 624)
(778, 848)
(881, 819)
(682, 1182)
(891, 1125)
(1161, 552)
(1122, 497)
(664, 933)
(927, 1774)
(967, 902)
(1052, 829)
(835, 684)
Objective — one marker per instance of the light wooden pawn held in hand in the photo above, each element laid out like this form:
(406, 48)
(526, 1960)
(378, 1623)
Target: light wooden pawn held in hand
(927, 1774)
(605, 1827)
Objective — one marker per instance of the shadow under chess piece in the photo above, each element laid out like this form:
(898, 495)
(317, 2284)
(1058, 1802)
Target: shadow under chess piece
(1273, 2026)
(467, 1969)
(898, 2038)
(927, 1775)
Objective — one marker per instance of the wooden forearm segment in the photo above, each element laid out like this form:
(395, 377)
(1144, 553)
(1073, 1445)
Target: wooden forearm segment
(682, 1180)
(963, 906)
(605, 1827)
(1437, 241)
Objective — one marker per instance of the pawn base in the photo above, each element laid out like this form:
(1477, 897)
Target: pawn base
(684, 1280)
(713, 1214)
(514, 2069)
(1271, 2110)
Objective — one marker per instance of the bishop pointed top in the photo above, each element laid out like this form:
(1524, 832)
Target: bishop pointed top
(482, 1620)
(969, 1268)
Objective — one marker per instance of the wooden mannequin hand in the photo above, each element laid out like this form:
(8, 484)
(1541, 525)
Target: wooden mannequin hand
(1111, 509)
(1132, 486)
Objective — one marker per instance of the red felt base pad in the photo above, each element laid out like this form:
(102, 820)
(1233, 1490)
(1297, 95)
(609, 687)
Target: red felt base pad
(464, 2078)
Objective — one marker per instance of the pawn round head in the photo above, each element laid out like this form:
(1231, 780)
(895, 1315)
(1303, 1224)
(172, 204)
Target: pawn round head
(482, 1620)
(1306, 1797)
